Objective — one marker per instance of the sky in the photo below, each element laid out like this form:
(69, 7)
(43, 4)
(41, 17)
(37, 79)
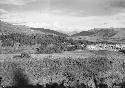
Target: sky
(64, 15)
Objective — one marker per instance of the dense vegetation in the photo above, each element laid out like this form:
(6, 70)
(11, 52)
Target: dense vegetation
(39, 43)
(90, 68)
(85, 69)
(22, 81)
(122, 50)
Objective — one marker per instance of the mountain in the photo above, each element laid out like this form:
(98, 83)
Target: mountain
(49, 31)
(9, 28)
(97, 32)
(83, 33)
(18, 39)
(120, 34)
(102, 34)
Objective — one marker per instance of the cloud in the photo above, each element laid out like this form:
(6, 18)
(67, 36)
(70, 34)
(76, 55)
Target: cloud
(89, 7)
(117, 3)
(68, 23)
(84, 14)
(16, 2)
(2, 11)
(69, 7)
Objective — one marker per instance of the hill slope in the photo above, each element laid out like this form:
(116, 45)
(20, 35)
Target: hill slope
(48, 31)
(102, 34)
(120, 34)
(83, 33)
(18, 39)
(9, 28)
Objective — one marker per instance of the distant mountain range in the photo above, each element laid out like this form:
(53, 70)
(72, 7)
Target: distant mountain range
(49, 31)
(83, 33)
(102, 34)
(95, 35)
(8, 28)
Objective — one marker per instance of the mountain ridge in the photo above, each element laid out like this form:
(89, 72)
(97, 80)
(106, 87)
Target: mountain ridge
(6, 27)
(102, 34)
(49, 31)
(94, 35)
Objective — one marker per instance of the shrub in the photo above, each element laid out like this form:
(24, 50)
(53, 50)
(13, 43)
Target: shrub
(123, 51)
(26, 55)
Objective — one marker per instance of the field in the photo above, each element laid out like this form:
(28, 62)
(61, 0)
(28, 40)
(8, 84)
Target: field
(72, 67)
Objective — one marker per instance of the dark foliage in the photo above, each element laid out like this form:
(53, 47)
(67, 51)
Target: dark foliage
(123, 85)
(123, 51)
(102, 85)
(10, 40)
(82, 85)
(0, 81)
(21, 80)
(60, 43)
(25, 55)
(83, 33)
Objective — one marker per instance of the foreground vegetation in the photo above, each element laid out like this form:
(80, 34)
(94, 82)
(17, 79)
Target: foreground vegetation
(91, 68)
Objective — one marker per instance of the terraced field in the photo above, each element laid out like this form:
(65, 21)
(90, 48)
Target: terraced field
(71, 67)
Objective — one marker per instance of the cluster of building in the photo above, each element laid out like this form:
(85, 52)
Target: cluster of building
(110, 47)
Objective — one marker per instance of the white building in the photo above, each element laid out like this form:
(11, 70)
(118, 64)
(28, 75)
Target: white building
(110, 47)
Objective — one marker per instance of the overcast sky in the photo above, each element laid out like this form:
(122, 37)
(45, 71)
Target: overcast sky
(64, 15)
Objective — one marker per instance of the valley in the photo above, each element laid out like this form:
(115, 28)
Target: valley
(47, 56)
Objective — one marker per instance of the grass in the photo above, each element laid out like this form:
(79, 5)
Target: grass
(71, 67)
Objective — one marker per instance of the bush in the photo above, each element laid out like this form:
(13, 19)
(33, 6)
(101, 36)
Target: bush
(25, 55)
(123, 51)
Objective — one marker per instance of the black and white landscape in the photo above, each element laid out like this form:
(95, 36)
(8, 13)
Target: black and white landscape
(62, 44)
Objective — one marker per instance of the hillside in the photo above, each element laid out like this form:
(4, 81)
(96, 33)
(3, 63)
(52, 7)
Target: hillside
(10, 28)
(18, 39)
(102, 34)
(120, 33)
(49, 31)
(83, 33)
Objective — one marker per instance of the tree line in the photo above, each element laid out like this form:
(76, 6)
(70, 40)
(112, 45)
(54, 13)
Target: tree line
(48, 43)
